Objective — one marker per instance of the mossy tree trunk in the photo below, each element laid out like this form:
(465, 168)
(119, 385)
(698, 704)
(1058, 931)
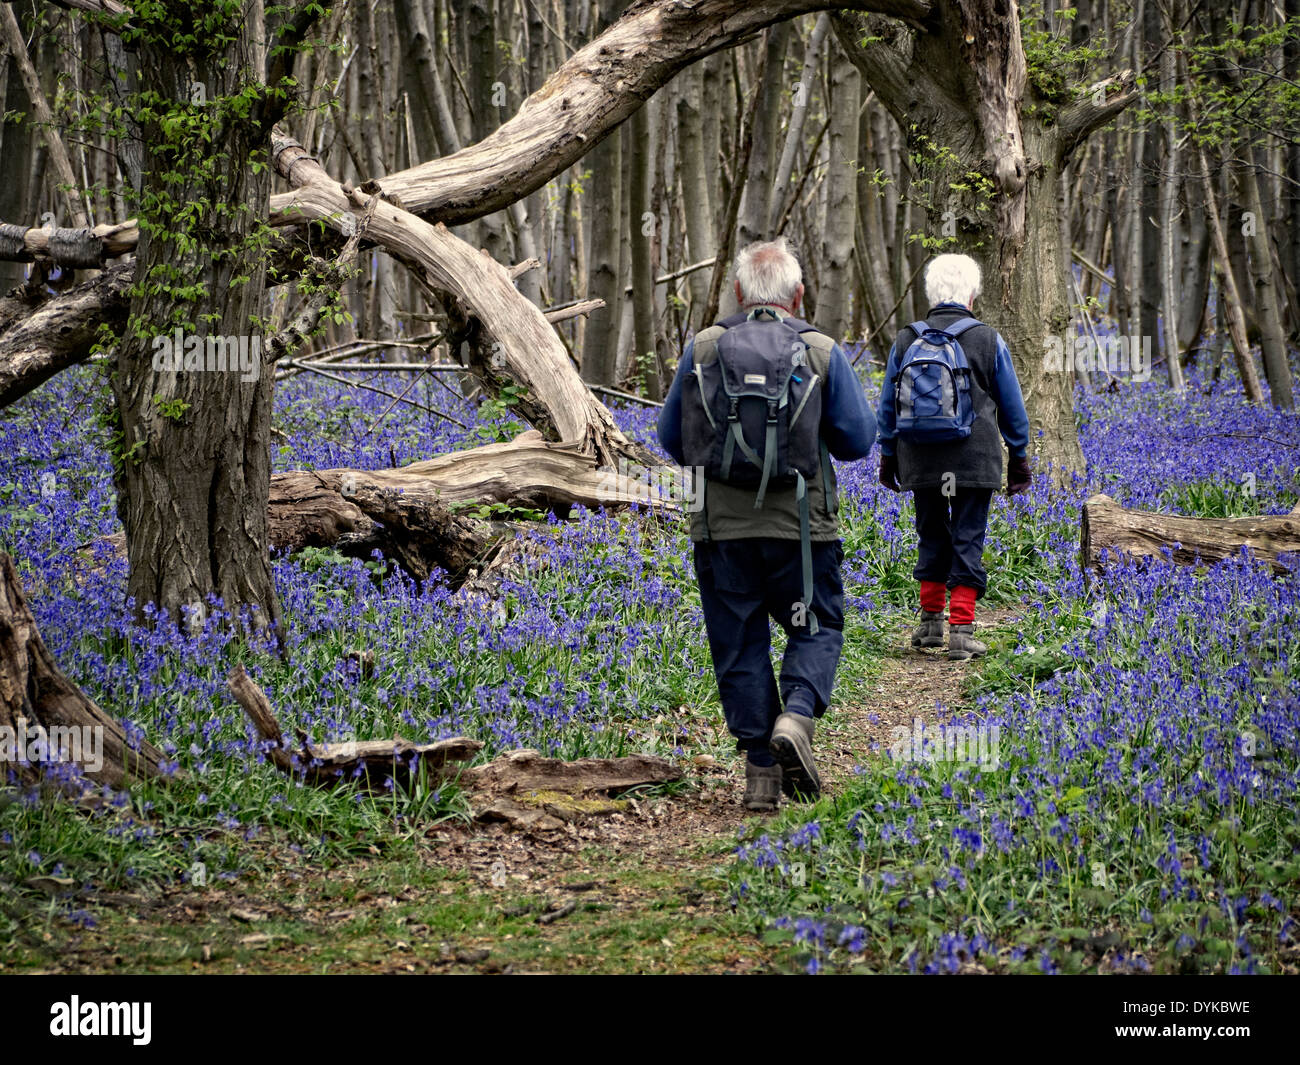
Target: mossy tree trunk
(193, 459)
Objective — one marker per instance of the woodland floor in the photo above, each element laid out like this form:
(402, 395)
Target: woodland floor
(638, 892)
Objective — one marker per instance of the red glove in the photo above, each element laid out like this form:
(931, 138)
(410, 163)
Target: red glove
(889, 472)
(1018, 476)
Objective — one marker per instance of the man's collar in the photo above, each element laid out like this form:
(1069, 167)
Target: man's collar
(953, 304)
(784, 312)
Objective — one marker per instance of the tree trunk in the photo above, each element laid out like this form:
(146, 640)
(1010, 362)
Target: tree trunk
(1149, 226)
(1168, 203)
(1109, 532)
(1228, 297)
(802, 98)
(641, 231)
(1268, 310)
(697, 186)
(193, 460)
(841, 198)
(755, 205)
(16, 144)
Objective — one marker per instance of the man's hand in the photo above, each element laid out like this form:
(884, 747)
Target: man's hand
(1018, 476)
(889, 472)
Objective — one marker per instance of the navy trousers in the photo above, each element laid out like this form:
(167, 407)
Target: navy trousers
(950, 530)
(743, 583)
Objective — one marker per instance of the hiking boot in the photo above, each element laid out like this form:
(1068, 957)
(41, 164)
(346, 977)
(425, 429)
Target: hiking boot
(791, 746)
(930, 632)
(962, 645)
(762, 787)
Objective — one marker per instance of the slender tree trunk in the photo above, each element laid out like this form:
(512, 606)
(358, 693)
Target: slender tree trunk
(15, 157)
(756, 204)
(605, 263)
(841, 198)
(1228, 296)
(1149, 210)
(642, 229)
(798, 113)
(698, 189)
(872, 255)
(972, 110)
(1168, 203)
(1268, 310)
(1194, 287)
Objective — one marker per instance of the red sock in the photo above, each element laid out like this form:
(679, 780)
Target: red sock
(933, 594)
(961, 611)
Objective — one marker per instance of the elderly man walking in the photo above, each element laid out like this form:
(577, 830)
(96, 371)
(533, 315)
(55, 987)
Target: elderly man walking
(759, 404)
(949, 389)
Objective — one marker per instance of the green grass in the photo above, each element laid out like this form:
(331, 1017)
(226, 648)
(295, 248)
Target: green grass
(403, 911)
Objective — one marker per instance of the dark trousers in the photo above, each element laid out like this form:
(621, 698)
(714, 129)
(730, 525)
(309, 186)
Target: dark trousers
(950, 530)
(742, 583)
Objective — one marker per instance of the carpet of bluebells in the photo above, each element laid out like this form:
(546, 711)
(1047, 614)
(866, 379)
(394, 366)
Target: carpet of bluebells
(1143, 814)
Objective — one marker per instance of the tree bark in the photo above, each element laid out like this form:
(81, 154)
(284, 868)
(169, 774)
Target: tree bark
(1227, 290)
(1268, 310)
(1168, 203)
(193, 461)
(34, 692)
(642, 231)
(1109, 532)
(841, 198)
(698, 190)
(757, 198)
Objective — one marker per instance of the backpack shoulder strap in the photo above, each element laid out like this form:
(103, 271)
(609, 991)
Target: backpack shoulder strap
(798, 324)
(957, 328)
(920, 328)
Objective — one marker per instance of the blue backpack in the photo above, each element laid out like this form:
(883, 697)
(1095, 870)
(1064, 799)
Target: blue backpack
(932, 390)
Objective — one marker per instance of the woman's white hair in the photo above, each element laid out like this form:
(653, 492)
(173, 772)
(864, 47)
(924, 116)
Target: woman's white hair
(768, 272)
(952, 279)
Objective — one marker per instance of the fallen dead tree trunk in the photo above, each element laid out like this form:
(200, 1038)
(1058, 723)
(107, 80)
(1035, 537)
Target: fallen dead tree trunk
(1109, 532)
(35, 694)
(522, 788)
(510, 339)
(411, 514)
(408, 513)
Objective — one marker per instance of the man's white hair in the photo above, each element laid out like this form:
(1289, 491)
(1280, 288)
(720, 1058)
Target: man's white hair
(952, 279)
(768, 272)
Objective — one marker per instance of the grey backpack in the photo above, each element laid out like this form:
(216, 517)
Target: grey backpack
(751, 418)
